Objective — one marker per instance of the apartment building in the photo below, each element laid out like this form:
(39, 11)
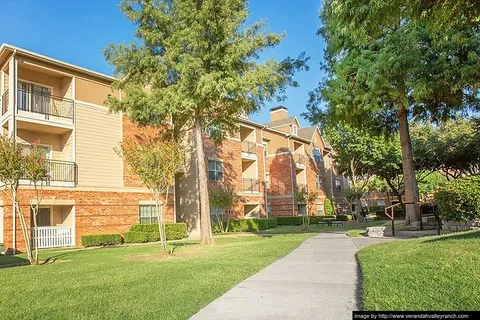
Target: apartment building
(265, 164)
(89, 189)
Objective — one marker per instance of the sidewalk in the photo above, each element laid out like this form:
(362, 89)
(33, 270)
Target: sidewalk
(318, 280)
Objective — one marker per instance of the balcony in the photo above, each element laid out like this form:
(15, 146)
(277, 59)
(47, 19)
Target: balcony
(300, 160)
(251, 185)
(4, 102)
(60, 173)
(44, 104)
(249, 150)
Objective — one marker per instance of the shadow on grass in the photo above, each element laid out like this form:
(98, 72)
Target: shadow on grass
(13, 261)
(456, 236)
(359, 287)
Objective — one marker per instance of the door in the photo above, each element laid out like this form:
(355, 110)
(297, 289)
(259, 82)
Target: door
(34, 98)
(43, 217)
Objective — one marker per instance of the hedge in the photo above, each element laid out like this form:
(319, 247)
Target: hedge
(298, 220)
(459, 199)
(247, 225)
(141, 237)
(174, 231)
(96, 240)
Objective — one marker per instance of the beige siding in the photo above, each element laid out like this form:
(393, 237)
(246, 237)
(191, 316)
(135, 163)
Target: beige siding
(97, 134)
(277, 143)
(249, 169)
(92, 92)
(42, 79)
(61, 144)
(6, 80)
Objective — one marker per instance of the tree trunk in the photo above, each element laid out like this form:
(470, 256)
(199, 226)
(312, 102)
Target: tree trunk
(411, 188)
(358, 210)
(206, 237)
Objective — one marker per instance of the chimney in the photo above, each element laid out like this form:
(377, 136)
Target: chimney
(278, 113)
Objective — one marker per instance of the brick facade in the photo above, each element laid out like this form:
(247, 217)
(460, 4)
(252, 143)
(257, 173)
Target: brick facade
(96, 212)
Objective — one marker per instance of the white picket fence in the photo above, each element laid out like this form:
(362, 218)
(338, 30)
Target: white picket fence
(52, 237)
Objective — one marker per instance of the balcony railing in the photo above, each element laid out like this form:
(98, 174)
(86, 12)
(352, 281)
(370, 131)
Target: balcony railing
(53, 237)
(61, 171)
(4, 102)
(299, 158)
(249, 147)
(251, 185)
(42, 103)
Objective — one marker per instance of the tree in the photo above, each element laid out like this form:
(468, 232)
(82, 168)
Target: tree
(36, 171)
(381, 73)
(195, 64)
(451, 147)
(155, 161)
(225, 199)
(15, 165)
(309, 198)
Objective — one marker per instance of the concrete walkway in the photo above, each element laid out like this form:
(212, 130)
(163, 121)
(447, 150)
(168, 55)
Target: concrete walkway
(318, 280)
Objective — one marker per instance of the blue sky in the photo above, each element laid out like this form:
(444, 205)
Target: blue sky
(77, 32)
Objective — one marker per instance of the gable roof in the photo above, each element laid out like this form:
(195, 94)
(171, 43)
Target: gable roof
(307, 133)
(280, 122)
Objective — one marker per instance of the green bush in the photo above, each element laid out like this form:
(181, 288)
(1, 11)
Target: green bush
(459, 199)
(342, 217)
(330, 207)
(173, 231)
(272, 223)
(96, 240)
(398, 214)
(141, 237)
(298, 220)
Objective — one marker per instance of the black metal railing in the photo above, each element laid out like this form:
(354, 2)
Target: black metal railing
(249, 147)
(299, 158)
(60, 171)
(251, 185)
(4, 102)
(301, 187)
(43, 103)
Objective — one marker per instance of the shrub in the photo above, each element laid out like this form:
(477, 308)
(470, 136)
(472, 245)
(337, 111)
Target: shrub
(272, 223)
(141, 237)
(298, 220)
(460, 199)
(342, 217)
(330, 207)
(96, 240)
(173, 231)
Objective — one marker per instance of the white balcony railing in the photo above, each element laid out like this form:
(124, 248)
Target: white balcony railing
(52, 237)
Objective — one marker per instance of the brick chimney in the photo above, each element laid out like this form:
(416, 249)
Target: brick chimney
(278, 113)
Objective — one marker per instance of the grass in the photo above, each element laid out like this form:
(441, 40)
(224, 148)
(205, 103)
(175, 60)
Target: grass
(434, 273)
(356, 233)
(132, 282)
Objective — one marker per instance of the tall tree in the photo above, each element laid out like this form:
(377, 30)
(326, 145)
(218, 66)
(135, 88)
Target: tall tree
(196, 64)
(381, 73)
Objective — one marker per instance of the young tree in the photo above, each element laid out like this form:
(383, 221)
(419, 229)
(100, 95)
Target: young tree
(36, 171)
(309, 198)
(225, 199)
(196, 64)
(155, 161)
(15, 166)
(384, 72)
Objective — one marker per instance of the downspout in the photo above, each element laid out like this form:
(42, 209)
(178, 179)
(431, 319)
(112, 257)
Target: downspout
(291, 179)
(14, 103)
(265, 154)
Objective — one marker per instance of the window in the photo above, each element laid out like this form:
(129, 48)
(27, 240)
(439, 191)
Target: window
(294, 129)
(148, 214)
(269, 210)
(267, 180)
(338, 184)
(215, 170)
(320, 211)
(319, 180)
(216, 214)
(33, 98)
(317, 155)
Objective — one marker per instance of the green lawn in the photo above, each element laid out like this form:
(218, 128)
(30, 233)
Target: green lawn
(126, 283)
(434, 273)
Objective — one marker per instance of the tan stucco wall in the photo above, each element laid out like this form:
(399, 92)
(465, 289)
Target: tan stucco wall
(97, 134)
(61, 144)
(41, 79)
(92, 91)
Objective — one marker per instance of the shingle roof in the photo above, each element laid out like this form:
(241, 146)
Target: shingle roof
(280, 122)
(307, 133)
